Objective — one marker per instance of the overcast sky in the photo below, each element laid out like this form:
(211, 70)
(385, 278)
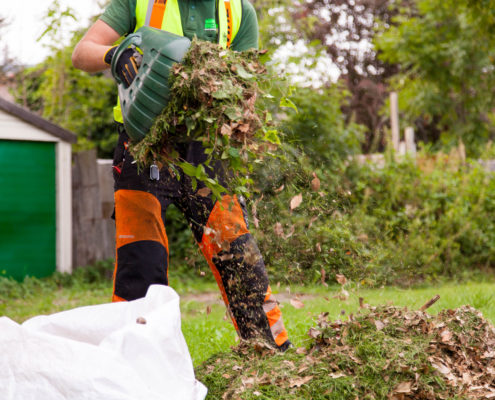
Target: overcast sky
(26, 25)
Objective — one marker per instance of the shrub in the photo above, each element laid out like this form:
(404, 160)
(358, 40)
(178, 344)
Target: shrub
(404, 223)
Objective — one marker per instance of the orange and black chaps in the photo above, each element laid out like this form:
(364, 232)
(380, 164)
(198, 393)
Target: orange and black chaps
(220, 228)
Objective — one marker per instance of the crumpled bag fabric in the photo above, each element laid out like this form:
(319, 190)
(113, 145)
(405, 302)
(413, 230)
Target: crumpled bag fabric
(100, 353)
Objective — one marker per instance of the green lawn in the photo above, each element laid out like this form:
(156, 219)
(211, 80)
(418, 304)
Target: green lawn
(208, 331)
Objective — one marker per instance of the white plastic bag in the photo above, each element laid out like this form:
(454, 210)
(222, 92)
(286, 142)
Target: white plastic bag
(100, 353)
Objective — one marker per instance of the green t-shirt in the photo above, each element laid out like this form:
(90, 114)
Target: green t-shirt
(121, 16)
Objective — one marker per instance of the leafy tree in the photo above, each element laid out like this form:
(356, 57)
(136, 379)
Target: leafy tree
(446, 74)
(65, 95)
(345, 30)
(320, 127)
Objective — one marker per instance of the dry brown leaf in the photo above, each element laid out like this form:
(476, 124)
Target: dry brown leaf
(254, 213)
(336, 375)
(445, 336)
(313, 332)
(279, 189)
(296, 201)
(226, 257)
(403, 387)
(226, 130)
(204, 192)
(379, 325)
(363, 237)
(247, 381)
(323, 276)
(296, 303)
(244, 128)
(208, 310)
(315, 183)
(439, 365)
(341, 279)
(344, 295)
(298, 382)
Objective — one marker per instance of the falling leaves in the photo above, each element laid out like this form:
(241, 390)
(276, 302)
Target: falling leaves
(323, 275)
(341, 279)
(204, 192)
(296, 201)
(296, 303)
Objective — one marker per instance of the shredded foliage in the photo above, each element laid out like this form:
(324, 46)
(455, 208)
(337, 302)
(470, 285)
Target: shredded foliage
(381, 353)
(215, 98)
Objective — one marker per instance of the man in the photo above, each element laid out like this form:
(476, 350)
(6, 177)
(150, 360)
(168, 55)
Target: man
(141, 199)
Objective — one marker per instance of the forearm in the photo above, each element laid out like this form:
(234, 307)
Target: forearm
(88, 56)
(89, 52)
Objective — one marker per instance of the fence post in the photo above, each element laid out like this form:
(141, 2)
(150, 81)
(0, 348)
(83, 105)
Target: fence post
(410, 143)
(394, 120)
(87, 234)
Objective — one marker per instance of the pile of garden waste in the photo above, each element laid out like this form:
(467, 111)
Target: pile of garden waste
(216, 97)
(380, 353)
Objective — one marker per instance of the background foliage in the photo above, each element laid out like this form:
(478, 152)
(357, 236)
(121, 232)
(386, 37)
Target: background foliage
(446, 73)
(397, 221)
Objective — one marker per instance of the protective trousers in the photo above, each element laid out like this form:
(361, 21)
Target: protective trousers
(220, 229)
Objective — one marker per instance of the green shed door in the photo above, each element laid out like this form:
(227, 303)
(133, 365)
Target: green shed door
(27, 209)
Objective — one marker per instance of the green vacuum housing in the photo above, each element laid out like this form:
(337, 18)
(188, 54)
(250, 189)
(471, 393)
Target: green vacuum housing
(149, 93)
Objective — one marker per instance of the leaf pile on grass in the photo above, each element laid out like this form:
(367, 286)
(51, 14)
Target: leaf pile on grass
(215, 98)
(381, 353)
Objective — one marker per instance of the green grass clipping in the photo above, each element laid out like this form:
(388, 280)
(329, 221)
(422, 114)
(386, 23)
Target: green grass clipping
(220, 98)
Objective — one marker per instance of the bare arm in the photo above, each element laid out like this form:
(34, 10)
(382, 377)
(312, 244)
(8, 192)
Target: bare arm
(89, 52)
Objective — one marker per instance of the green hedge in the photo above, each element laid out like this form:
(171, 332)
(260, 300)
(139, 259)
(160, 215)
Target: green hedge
(405, 222)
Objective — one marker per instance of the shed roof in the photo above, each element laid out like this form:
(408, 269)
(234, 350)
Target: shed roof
(37, 121)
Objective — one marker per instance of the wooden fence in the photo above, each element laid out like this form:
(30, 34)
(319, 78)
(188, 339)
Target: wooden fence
(93, 234)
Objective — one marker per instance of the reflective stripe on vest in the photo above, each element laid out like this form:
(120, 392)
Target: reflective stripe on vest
(165, 15)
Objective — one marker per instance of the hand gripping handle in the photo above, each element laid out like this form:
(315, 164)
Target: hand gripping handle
(133, 39)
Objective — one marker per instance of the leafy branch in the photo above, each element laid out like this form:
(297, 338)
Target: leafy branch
(222, 99)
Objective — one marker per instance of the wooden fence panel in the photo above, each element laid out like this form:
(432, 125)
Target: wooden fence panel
(93, 230)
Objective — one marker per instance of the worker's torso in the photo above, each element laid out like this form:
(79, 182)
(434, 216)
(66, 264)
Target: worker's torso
(198, 18)
(209, 20)
(205, 19)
